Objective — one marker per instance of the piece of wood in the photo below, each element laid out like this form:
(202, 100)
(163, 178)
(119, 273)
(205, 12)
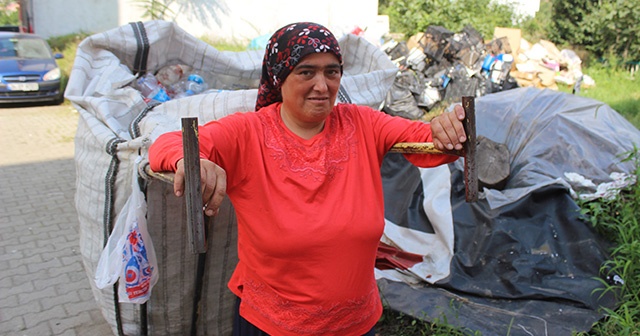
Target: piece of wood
(493, 164)
(193, 189)
(513, 35)
(421, 148)
(470, 150)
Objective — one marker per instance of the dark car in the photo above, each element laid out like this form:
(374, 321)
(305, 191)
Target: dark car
(28, 70)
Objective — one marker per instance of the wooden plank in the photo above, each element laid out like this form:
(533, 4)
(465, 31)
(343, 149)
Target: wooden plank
(193, 189)
(421, 148)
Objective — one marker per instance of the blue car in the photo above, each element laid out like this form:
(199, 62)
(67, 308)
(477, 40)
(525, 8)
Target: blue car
(28, 70)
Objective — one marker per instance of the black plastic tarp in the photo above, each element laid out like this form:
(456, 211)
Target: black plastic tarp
(524, 261)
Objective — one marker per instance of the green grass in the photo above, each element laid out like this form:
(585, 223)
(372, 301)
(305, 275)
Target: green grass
(616, 88)
(617, 220)
(67, 45)
(393, 323)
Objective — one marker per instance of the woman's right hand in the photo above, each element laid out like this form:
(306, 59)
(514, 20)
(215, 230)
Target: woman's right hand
(447, 129)
(213, 180)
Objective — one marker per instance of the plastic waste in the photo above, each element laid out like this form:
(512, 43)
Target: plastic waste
(151, 88)
(501, 68)
(570, 57)
(171, 74)
(488, 62)
(194, 84)
(429, 97)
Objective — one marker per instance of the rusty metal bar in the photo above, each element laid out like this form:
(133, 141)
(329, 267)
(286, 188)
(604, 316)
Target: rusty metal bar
(470, 169)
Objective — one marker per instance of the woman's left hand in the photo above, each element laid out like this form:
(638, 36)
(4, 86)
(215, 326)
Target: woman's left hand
(447, 130)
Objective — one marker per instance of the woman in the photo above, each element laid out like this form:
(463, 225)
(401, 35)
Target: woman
(304, 179)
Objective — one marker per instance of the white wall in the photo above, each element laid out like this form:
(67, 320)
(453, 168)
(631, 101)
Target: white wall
(239, 20)
(62, 17)
(247, 19)
(524, 7)
(128, 11)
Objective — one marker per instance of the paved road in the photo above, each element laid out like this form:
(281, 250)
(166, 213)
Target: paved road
(43, 287)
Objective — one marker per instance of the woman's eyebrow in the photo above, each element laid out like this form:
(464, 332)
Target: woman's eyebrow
(313, 67)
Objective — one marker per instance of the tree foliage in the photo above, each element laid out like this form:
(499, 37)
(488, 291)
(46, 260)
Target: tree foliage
(536, 28)
(5, 3)
(155, 9)
(608, 28)
(568, 15)
(614, 29)
(413, 16)
(7, 17)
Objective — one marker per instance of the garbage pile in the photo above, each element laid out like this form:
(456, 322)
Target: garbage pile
(438, 67)
(543, 65)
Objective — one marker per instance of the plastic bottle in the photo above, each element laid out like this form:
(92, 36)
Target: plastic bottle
(501, 68)
(151, 89)
(194, 84)
(488, 62)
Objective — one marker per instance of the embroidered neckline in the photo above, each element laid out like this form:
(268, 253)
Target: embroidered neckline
(319, 158)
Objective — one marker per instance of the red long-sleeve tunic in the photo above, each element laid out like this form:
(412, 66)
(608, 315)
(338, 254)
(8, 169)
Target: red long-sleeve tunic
(310, 213)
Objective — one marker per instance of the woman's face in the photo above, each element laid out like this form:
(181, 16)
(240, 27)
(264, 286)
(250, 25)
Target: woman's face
(309, 92)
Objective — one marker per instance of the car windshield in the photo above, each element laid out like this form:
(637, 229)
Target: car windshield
(24, 48)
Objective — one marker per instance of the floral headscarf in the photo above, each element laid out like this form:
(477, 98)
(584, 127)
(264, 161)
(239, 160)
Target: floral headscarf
(286, 47)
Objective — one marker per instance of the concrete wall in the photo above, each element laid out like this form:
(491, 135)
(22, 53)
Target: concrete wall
(62, 17)
(247, 19)
(237, 20)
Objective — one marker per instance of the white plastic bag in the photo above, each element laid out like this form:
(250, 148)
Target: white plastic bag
(129, 254)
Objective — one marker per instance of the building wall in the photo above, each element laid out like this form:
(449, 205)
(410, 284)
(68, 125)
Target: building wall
(62, 17)
(524, 7)
(245, 19)
(231, 20)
